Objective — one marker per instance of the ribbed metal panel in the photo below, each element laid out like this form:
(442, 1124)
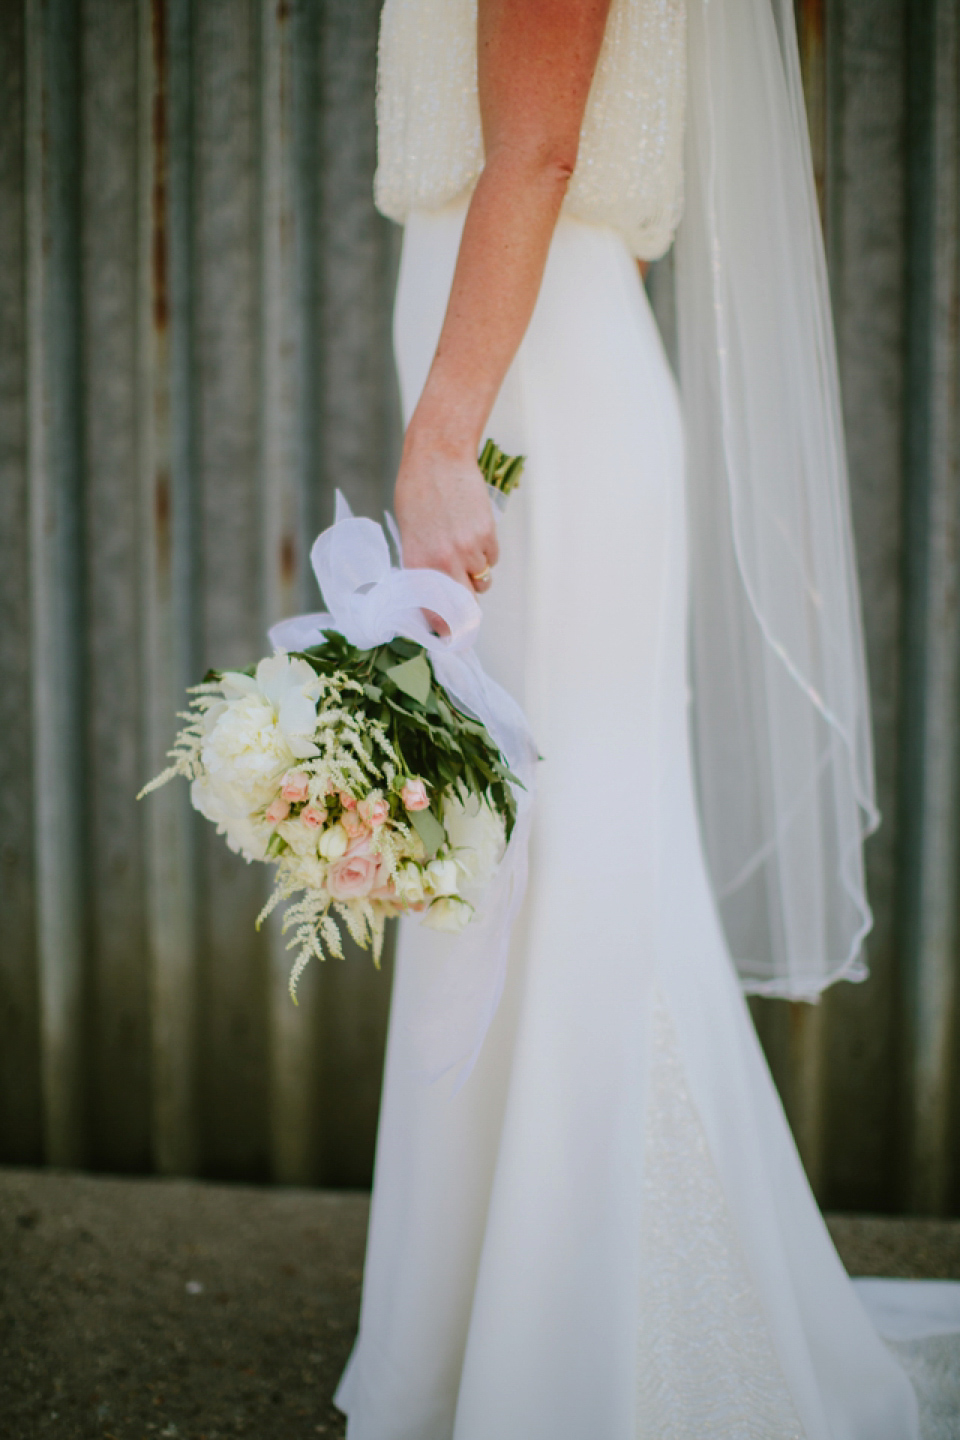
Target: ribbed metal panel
(931, 774)
(195, 299)
(195, 310)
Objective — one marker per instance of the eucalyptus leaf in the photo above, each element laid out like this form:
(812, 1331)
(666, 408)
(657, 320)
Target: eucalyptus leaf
(403, 647)
(413, 677)
(416, 719)
(429, 829)
(472, 727)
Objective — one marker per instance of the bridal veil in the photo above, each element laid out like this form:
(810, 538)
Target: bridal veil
(781, 719)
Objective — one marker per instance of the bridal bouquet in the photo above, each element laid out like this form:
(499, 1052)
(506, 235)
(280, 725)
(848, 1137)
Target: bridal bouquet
(345, 762)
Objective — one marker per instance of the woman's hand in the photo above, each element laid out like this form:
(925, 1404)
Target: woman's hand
(444, 512)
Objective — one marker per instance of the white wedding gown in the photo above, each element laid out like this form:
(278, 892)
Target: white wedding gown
(607, 1234)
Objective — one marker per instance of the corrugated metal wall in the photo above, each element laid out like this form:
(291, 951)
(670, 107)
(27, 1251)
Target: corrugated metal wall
(196, 300)
(194, 314)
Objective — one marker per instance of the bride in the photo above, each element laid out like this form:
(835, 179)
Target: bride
(597, 1225)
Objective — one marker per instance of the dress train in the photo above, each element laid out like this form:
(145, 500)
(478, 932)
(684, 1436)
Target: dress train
(608, 1232)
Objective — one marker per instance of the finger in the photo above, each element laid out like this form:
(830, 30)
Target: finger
(458, 571)
(436, 622)
(480, 557)
(487, 550)
(480, 577)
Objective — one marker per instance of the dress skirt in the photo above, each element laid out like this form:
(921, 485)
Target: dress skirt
(607, 1234)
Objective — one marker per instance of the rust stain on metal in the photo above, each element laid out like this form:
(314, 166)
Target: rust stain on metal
(811, 37)
(288, 560)
(162, 508)
(810, 15)
(158, 253)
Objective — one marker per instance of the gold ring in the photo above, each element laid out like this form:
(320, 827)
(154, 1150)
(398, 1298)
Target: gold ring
(482, 576)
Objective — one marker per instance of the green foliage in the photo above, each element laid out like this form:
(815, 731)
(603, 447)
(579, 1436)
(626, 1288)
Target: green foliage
(414, 677)
(433, 739)
(429, 829)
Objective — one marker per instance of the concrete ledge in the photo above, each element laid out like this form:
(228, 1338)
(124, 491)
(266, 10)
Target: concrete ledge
(132, 1309)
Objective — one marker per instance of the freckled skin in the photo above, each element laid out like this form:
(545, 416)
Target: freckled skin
(536, 60)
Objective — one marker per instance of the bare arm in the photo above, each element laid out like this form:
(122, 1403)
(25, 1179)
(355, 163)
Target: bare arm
(536, 60)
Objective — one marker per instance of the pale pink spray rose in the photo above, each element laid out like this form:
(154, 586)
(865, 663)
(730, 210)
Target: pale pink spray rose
(295, 786)
(356, 874)
(347, 800)
(385, 890)
(314, 816)
(414, 795)
(373, 812)
(353, 825)
(277, 810)
(401, 891)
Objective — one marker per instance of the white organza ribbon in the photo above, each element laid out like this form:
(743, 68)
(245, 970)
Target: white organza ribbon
(370, 601)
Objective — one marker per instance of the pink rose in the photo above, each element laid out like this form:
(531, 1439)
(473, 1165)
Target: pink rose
(353, 825)
(314, 816)
(385, 890)
(373, 812)
(414, 795)
(347, 800)
(277, 810)
(295, 786)
(355, 875)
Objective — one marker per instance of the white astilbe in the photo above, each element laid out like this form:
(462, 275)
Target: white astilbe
(314, 927)
(185, 752)
(396, 843)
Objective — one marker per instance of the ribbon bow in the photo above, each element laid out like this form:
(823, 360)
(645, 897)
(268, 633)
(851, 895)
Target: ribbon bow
(370, 601)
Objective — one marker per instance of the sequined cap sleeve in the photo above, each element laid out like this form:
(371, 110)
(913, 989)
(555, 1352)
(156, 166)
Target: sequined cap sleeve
(629, 171)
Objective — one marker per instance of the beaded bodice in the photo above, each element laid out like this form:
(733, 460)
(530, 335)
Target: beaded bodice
(629, 171)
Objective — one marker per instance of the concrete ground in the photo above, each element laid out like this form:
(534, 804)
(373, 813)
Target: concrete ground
(137, 1309)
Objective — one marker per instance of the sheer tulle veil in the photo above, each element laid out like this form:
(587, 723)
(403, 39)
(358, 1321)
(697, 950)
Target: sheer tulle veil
(781, 720)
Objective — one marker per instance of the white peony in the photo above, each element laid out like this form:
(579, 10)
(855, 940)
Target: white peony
(246, 835)
(448, 914)
(476, 837)
(263, 725)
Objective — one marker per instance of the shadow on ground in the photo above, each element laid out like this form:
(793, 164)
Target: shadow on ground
(134, 1309)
